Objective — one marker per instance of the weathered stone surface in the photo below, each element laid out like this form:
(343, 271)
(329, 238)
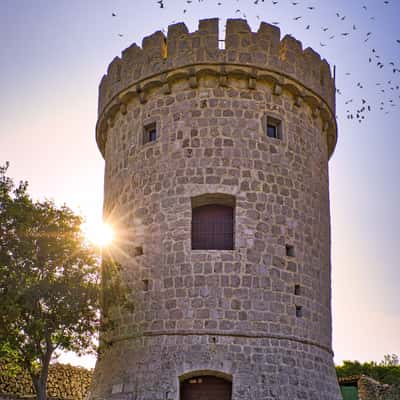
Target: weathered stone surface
(370, 389)
(65, 382)
(233, 311)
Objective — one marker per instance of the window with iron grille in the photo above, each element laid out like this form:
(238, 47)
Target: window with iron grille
(212, 227)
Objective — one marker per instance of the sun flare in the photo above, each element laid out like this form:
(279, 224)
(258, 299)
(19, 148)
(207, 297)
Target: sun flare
(99, 233)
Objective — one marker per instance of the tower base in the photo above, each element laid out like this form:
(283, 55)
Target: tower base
(161, 367)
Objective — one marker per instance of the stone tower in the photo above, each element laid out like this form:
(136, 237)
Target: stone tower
(216, 180)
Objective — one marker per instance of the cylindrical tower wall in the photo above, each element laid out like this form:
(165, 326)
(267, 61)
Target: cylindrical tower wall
(258, 315)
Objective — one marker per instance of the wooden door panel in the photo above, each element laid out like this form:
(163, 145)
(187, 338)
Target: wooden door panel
(206, 388)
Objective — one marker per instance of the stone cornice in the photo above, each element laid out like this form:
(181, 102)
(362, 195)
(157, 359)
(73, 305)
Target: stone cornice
(254, 76)
(244, 335)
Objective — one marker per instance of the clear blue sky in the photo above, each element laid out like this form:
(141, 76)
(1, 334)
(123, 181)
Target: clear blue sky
(54, 53)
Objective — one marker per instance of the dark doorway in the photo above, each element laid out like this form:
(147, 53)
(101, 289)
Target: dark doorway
(206, 388)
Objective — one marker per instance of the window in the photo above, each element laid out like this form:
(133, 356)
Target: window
(213, 222)
(297, 290)
(150, 133)
(274, 128)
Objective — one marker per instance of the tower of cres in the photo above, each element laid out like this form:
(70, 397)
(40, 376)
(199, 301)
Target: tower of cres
(216, 181)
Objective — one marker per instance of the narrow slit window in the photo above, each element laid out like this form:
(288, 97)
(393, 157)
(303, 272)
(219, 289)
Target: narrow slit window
(146, 285)
(297, 290)
(274, 128)
(150, 133)
(299, 311)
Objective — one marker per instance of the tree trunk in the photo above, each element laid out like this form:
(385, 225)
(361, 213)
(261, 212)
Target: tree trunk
(40, 385)
(41, 389)
(40, 380)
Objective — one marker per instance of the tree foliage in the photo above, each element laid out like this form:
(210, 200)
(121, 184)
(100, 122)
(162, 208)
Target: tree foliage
(49, 282)
(387, 371)
(390, 360)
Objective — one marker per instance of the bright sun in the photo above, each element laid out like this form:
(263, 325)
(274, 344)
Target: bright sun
(100, 234)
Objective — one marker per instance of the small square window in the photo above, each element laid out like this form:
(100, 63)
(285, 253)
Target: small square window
(150, 133)
(299, 311)
(274, 128)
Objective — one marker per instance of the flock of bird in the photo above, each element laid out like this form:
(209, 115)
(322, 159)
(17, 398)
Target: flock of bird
(387, 89)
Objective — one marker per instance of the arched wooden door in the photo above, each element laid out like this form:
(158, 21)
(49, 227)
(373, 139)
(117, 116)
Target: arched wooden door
(206, 388)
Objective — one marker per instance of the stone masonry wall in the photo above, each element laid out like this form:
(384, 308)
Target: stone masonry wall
(228, 313)
(65, 382)
(369, 389)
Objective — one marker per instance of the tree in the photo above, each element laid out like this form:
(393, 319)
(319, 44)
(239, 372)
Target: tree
(388, 371)
(390, 360)
(49, 282)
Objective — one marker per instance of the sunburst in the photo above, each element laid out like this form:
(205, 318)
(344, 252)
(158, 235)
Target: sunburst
(99, 233)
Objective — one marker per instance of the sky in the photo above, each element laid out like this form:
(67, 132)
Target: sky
(54, 53)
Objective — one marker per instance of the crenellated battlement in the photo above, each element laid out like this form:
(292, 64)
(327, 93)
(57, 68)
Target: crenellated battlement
(263, 50)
